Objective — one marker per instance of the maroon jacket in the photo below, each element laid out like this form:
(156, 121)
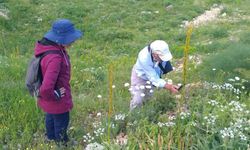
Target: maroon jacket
(56, 74)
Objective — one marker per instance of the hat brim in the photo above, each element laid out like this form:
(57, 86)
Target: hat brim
(64, 39)
(166, 57)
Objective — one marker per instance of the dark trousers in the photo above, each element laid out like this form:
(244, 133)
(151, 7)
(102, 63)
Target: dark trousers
(56, 126)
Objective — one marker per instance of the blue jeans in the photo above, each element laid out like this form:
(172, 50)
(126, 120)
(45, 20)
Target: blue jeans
(56, 126)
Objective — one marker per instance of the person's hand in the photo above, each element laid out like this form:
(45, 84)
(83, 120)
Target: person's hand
(59, 93)
(172, 88)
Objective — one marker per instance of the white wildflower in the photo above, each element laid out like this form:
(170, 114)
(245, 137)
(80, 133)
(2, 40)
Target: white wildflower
(126, 84)
(39, 19)
(178, 96)
(155, 84)
(98, 114)
(193, 123)
(237, 78)
(170, 81)
(231, 80)
(169, 124)
(243, 137)
(113, 86)
(146, 12)
(228, 86)
(142, 94)
(99, 96)
(142, 87)
(160, 124)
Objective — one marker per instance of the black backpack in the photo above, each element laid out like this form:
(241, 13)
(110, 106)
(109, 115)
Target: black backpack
(34, 76)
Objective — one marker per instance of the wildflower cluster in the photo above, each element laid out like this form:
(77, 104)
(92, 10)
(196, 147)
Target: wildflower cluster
(99, 132)
(145, 87)
(213, 102)
(120, 117)
(142, 87)
(166, 124)
(227, 132)
(236, 129)
(94, 146)
(96, 124)
(171, 117)
(88, 138)
(194, 123)
(184, 115)
(210, 119)
(222, 107)
(236, 106)
(225, 86)
(149, 12)
(235, 85)
(92, 69)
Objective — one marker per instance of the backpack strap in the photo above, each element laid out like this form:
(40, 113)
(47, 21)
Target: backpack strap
(50, 52)
(45, 54)
(150, 52)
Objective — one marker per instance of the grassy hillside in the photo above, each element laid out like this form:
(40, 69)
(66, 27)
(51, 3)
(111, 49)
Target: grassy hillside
(217, 94)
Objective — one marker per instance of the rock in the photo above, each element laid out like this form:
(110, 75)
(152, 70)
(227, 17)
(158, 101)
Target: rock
(169, 7)
(4, 15)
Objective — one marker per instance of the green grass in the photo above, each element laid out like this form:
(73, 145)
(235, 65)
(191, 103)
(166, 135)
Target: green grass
(115, 31)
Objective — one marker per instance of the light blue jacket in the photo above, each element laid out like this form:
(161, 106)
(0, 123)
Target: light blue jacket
(147, 69)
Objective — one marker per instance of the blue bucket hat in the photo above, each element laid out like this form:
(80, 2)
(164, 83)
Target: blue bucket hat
(63, 32)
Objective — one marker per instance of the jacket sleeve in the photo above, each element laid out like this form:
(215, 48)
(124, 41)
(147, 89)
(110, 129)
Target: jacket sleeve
(52, 69)
(150, 72)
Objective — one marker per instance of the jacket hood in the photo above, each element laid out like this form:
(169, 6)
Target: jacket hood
(40, 48)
